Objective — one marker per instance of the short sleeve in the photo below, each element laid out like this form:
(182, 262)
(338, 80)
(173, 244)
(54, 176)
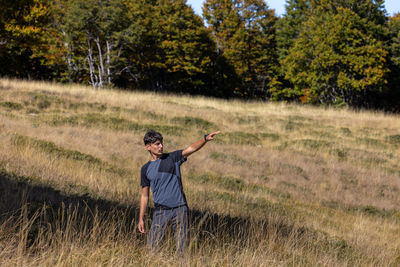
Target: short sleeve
(144, 181)
(177, 156)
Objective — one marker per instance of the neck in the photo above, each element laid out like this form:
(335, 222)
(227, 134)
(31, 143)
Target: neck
(154, 157)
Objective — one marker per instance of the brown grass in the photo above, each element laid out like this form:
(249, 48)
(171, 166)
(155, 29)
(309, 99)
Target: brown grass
(283, 185)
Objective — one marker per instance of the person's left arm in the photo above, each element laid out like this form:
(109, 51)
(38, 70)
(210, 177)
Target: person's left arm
(198, 144)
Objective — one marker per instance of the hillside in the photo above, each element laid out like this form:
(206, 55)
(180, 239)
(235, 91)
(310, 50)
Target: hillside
(282, 185)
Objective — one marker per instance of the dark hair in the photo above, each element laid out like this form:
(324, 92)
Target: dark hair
(151, 137)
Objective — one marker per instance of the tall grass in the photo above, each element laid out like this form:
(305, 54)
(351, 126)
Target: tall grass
(282, 185)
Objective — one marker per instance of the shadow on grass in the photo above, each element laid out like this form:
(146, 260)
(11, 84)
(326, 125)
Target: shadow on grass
(49, 210)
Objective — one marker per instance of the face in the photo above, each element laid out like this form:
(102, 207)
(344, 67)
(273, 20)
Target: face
(155, 148)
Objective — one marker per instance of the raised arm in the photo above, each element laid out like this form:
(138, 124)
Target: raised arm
(144, 199)
(198, 144)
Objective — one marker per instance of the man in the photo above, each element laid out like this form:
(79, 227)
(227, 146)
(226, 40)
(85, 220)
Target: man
(162, 173)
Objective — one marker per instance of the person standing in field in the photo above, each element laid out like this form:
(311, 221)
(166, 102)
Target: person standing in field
(163, 175)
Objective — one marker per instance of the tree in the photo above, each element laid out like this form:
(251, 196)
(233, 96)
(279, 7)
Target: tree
(289, 27)
(183, 47)
(337, 57)
(159, 44)
(244, 31)
(392, 97)
(167, 48)
(22, 25)
(84, 39)
(394, 25)
(288, 30)
(94, 23)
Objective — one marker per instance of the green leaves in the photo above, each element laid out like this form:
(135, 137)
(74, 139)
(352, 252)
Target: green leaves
(335, 58)
(245, 34)
(183, 44)
(335, 52)
(22, 25)
(289, 27)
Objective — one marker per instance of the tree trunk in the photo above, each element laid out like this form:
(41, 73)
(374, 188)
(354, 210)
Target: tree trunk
(93, 78)
(68, 56)
(108, 61)
(101, 63)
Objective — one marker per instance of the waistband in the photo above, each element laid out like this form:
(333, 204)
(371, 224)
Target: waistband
(162, 207)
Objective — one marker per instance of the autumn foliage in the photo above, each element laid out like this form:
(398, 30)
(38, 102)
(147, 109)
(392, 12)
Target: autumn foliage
(333, 52)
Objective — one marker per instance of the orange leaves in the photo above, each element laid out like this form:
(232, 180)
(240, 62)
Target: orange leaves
(22, 31)
(37, 12)
(27, 23)
(306, 97)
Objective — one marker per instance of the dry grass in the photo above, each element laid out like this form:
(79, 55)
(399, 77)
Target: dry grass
(283, 185)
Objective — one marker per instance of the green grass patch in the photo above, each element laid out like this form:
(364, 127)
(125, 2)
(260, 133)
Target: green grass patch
(299, 118)
(95, 120)
(81, 105)
(320, 133)
(345, 131)
(248, 119)
(68, 187)
(375, 212)
(269, 191)
(226, 182)
(32, 111)
(238, 138)
(292, 125)
(366, 210)
(60, 152)
(51, 148)
(287, 184)
(371, 142)
(261, 205)
(150, 115)
(42, 100)
(368, 157)
(297, 169)
(394, 139)
(234, 184)
(223, 157)
(305, 144)
(11, 105)
(375, 160)
(270, 136)
(313, 144)
(188, 121)
(340, 153)
(18, 178)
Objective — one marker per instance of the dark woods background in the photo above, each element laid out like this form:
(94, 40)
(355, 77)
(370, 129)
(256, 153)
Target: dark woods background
(330, 52)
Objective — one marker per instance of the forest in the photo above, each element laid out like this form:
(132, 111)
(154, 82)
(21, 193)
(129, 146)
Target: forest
(342, 53)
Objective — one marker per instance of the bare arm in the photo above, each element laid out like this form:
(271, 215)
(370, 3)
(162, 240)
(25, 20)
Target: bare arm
(198, 144)
(144, 199)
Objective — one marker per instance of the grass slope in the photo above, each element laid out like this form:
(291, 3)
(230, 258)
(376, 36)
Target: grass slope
(282, 185)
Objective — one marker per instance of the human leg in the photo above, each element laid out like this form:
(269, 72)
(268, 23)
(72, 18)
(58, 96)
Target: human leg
(180, 226)
(160, 221)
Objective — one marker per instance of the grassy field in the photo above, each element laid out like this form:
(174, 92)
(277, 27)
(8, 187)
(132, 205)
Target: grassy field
(283, 185)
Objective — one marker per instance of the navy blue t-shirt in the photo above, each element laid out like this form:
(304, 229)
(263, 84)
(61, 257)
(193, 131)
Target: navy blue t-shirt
(164, 178)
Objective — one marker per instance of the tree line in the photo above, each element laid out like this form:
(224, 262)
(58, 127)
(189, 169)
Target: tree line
(330, 52)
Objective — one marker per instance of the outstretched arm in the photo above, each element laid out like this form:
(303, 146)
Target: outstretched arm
(143, 205)
(198, 144)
